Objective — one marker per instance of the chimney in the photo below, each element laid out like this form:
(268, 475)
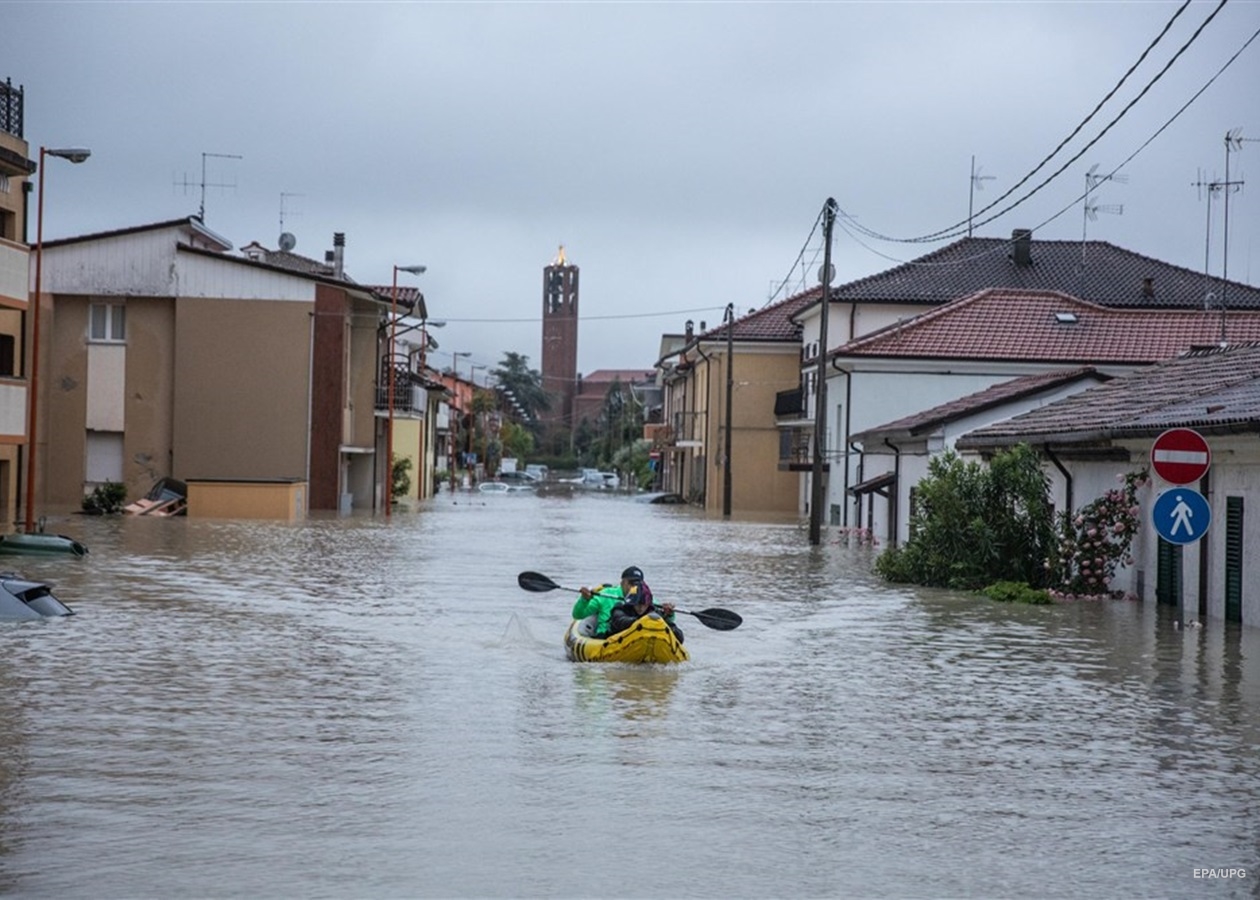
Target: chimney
(1148, 287)
(339, 252)
(1021, 246)
(691, 327)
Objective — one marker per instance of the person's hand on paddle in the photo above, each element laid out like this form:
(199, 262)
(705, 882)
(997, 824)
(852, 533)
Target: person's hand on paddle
(667, 609)
(585, 592)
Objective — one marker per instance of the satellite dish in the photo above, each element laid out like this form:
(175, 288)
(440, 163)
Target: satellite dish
(287, 242)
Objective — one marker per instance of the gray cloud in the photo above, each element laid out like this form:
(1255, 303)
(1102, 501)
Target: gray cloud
(681, 152)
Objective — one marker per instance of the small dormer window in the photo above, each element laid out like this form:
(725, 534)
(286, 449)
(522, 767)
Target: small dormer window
(1066, 318)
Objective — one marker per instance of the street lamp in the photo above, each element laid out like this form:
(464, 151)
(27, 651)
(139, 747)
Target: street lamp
(389, 434)
(453, 428)
(75, 155)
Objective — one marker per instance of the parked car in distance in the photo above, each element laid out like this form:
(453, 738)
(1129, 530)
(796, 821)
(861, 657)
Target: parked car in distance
(538, 471)
(612, 480)
(520, 478)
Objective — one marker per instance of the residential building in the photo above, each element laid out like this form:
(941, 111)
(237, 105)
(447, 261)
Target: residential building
(1094, 271)
(15, 171)
(1093, 437)
(759, 360)
(901, 380)
(169, 356)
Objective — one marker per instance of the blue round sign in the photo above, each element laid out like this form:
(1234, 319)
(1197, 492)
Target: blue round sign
(1181, 515)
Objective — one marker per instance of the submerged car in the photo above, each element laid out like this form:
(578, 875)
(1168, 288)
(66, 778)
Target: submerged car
(22, 600)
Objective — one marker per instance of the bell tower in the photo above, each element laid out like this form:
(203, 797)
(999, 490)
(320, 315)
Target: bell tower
(559, 339)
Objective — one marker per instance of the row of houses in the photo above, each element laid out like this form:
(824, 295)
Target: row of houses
(964, 348)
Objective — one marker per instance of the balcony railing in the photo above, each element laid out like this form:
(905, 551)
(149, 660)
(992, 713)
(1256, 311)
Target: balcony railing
(409, 397)
(10, 108)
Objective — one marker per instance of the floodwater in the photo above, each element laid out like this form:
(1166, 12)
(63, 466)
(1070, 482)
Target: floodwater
(371, 709)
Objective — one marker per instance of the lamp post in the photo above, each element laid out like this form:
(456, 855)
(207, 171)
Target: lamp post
(75, 155)
(389, 433)
(730, 382)
(459, 409)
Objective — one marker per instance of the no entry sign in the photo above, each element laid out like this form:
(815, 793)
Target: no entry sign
(1180, 456)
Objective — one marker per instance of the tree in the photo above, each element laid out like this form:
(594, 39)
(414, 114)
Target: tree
(526, 385)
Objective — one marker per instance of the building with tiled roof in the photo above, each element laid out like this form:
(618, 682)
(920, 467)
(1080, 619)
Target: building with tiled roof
(896, 455)
(974, 344)
(1213, 390)
(1089, 279)
(1096, 271)
(1048, 325)
(1109, 430)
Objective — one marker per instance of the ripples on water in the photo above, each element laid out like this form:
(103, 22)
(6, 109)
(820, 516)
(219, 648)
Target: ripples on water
(355, 708)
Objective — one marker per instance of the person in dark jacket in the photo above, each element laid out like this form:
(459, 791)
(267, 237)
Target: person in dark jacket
(636, 602)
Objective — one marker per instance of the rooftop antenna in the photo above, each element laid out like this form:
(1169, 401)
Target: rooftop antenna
(977, 184)
(201, 209)
(1233, 144)
(1211, 189)
(287, 241)
(1091, 210)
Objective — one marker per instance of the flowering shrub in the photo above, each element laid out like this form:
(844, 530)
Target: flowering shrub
(1096, 539)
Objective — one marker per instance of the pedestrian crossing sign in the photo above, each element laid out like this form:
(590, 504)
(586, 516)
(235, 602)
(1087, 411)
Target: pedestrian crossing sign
(1181, 515)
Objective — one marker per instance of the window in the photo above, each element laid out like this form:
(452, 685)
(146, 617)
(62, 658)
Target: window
(7, 357)
(108, 322)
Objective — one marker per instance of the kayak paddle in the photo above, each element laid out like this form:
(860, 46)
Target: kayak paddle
(717, 619)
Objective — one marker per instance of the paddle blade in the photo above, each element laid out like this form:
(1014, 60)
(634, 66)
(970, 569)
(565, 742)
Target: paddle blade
(718, 619)
(538, 583)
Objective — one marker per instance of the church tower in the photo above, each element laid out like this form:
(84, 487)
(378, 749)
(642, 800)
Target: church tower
(559, 339)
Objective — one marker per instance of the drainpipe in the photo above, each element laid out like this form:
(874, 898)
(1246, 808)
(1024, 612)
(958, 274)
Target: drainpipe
(848, 421)
(1067, 477)
(1205, 488)
(896, 495)
(708, 405)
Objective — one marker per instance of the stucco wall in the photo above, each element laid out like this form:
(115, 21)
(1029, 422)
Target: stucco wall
(241, 404)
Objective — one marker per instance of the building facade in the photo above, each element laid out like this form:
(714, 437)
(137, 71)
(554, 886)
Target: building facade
(168, 356)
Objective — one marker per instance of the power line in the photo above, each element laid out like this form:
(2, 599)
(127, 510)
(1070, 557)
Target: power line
(1078, 199)
(586, 318)
(957, 229)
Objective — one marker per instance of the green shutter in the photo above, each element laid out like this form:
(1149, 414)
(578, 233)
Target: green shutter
(1233, 558)
(1168, 573)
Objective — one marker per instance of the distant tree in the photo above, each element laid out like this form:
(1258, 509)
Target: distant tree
(526, 385)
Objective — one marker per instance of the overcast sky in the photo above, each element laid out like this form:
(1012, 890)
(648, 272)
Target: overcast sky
(681, 152)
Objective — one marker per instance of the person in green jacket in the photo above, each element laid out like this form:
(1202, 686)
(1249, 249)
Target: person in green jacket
(598, 601)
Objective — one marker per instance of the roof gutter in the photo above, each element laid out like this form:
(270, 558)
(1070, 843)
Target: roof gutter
(1067, 478)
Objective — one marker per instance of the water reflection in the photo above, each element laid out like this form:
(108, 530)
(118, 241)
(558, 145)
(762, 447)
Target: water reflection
(345, 708)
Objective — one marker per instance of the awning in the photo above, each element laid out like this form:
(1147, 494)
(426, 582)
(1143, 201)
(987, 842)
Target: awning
(877, 485)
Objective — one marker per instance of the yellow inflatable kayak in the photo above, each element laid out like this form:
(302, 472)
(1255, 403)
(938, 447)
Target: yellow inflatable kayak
(648, 640)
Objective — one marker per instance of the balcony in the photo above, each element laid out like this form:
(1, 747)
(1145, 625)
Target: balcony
(410, 397)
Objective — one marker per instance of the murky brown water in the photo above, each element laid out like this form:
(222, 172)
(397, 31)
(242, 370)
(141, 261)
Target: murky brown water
(349, 708)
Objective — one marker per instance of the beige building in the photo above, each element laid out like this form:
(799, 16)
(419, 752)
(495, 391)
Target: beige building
(697, 376)
(165, 355)
(15, 172)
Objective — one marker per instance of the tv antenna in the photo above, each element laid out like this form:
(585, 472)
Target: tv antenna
(977, 184)
(287, 240)
(203, 184)
(1090, 210)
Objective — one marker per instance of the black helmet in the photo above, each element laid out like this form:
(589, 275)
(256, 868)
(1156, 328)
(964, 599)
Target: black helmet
(634, 575)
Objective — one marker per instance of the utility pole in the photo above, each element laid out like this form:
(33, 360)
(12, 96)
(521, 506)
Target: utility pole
(825, 276)
(730, 383)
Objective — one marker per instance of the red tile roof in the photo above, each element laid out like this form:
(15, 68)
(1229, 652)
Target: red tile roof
(1005, 324)
(1215, 390)
(770, 323)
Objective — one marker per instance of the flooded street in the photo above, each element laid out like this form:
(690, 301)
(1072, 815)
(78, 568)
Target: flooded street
(355, 708)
